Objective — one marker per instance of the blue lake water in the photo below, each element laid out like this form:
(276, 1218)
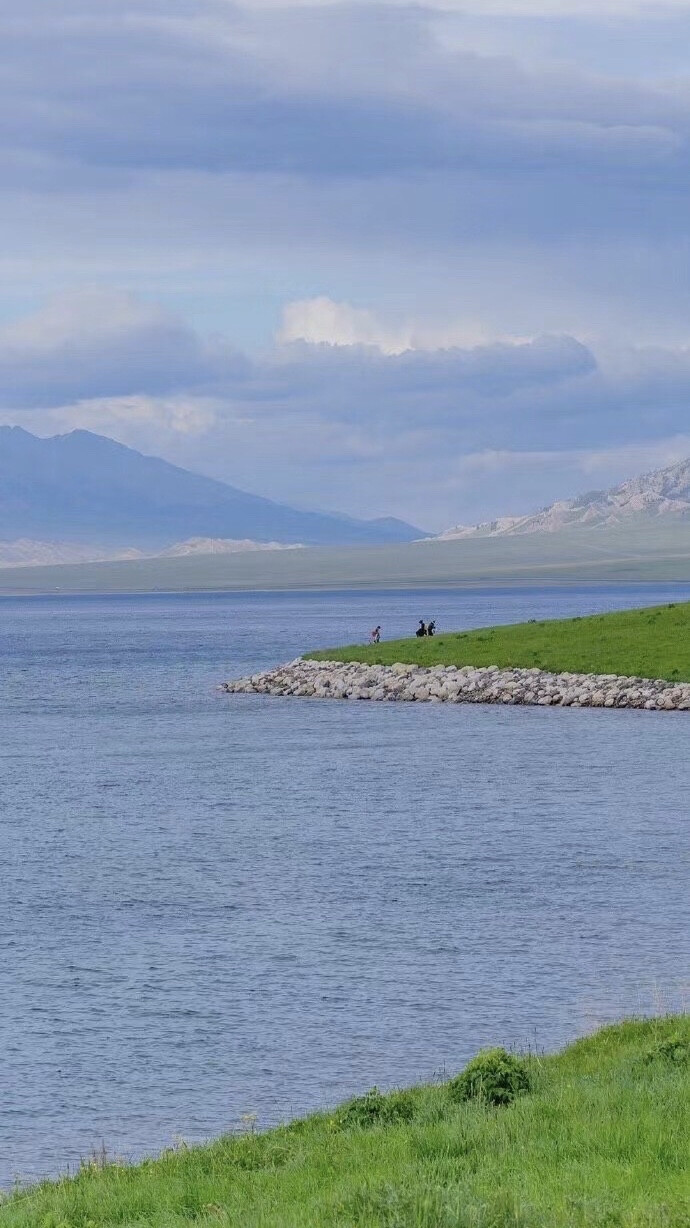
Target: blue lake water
(214, 906)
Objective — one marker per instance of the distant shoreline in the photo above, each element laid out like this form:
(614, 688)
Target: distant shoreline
(528, 583)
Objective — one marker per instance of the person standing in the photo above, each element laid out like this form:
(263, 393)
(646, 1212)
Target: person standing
(375, 637)
(421, 629)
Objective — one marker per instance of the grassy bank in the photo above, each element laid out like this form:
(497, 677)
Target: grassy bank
(599, 1137)
(650, 643)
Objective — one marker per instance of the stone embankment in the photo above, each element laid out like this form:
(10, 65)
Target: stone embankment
(467, 684)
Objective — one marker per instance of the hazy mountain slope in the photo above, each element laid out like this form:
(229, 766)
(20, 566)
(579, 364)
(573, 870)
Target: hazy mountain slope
(82, 487)
(663, 493)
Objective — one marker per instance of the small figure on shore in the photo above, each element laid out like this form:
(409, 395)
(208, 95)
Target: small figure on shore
(375, 637)
(431, 629)
(421, 629)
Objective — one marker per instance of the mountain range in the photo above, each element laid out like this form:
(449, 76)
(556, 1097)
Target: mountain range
(663, 493)
(82, 494)
(81, 497)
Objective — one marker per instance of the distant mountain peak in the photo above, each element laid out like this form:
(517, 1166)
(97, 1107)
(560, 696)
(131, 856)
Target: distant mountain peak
(660, 493)
(81, 488)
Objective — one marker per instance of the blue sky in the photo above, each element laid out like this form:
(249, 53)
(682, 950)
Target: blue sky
(428, 260)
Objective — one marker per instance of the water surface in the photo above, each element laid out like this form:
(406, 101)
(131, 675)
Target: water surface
(223, 905)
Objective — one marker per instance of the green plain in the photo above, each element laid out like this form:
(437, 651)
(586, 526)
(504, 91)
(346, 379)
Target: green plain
(640, 551)
(649, 643)
(601, 1138)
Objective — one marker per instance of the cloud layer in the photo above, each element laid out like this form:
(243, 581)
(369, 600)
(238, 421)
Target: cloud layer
(439, 434)
(429, 259)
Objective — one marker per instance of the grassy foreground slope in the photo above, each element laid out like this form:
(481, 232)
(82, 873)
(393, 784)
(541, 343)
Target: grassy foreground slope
(650, 643)
(601, 1138)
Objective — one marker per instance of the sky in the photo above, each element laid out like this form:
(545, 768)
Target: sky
(428, 260)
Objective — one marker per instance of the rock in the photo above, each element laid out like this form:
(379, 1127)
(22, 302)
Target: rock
(469, 684)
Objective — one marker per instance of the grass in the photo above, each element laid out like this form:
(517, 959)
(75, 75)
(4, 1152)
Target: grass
(601, 1138)
(650, 643)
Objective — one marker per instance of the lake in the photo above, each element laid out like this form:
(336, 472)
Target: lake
(215, 907)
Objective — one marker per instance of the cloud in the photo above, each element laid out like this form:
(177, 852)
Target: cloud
(347, 91)
(467, 223)
(320, 321)
(98, 344)
(183, 415)
(453, 381)
(520, 8)
(438, 435)
(367, 152)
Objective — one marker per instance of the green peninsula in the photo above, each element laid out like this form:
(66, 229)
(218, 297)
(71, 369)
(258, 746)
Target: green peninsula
(647, 643)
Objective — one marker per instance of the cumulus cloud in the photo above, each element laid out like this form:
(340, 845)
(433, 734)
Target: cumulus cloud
(320, 321)
(96, 345)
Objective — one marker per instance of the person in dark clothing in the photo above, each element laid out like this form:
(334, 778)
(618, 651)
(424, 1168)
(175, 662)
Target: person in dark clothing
(421, 629)
(431, 629)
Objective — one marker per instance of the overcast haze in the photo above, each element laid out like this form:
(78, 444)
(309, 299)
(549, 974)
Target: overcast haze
(421, 260)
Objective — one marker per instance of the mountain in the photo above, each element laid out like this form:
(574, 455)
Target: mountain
(662, 494)
(82, 488)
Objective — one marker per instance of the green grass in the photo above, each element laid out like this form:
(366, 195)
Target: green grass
(601, 1138)
(650, 643)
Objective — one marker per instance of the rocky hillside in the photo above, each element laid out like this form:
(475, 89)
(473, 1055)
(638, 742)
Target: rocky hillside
(662, 493)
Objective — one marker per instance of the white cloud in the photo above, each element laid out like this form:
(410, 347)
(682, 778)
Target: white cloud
(321, 321)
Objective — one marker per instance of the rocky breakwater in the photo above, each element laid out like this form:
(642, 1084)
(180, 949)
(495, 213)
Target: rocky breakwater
(462, 685)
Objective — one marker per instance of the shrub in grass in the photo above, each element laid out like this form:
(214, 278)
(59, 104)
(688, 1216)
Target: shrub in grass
(494, 1076)
(674, 1051)
(375, 1109)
